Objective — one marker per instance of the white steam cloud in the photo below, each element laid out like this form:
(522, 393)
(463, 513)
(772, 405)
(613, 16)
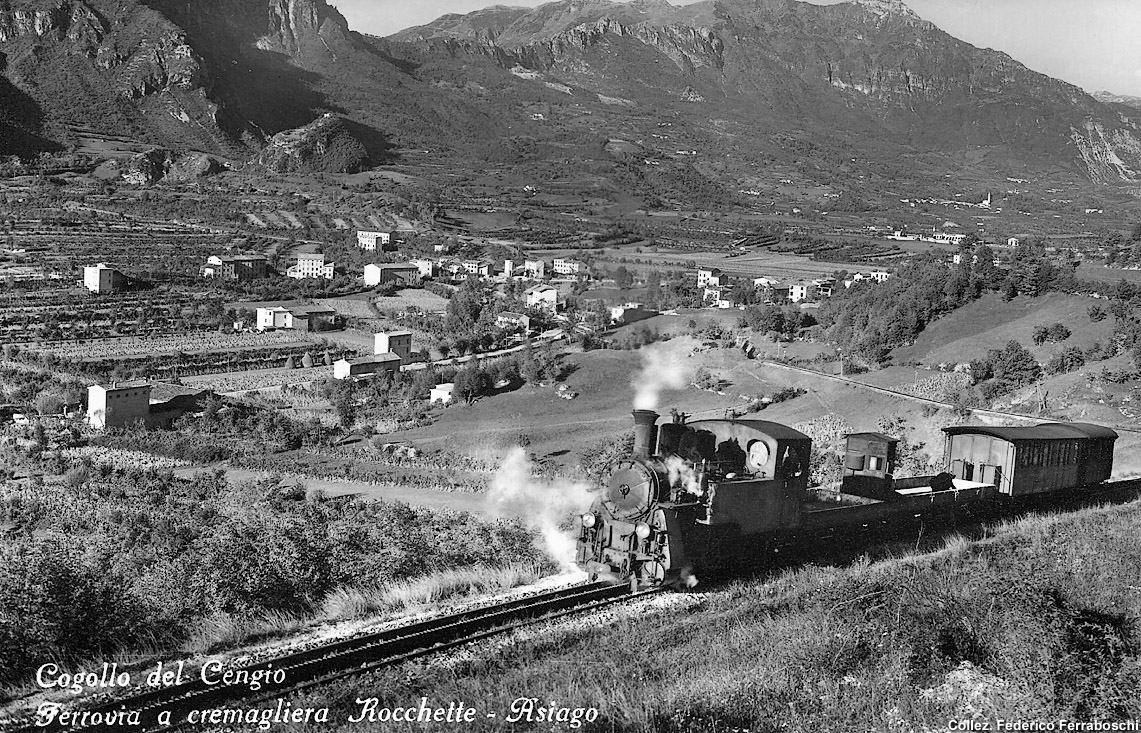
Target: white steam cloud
(661, 370)
(540, 503)
(681, 473)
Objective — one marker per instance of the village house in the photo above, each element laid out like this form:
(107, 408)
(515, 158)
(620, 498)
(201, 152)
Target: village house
(479, 268)
(536, 269)
(799, 291)
(823, 287)
(509, 320)
(239, 268)
(393, 342)
(155, 405)
(101, 278)
(298, 317)
(405, 273)
(310, 265)
(711, 278)
(543, 297)
(427, 268)
(630, 313)
(569, 267)
(366, 366)
(370, 241)
(508, 268)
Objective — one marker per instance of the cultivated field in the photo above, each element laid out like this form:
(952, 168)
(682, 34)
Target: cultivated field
(189, 343)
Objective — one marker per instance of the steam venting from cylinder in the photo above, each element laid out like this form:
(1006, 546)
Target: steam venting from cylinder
(645, 433)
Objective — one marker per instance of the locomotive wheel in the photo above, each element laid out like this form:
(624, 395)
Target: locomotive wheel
(651, 574)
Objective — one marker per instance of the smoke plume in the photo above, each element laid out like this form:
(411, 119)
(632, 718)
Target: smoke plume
(540, 503)
(661, 369)
(681, 472)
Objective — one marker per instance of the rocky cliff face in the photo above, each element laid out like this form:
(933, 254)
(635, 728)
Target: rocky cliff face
(872, 65)
(324, 146)
(183, 68)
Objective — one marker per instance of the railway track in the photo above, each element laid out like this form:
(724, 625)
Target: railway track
(319, 665)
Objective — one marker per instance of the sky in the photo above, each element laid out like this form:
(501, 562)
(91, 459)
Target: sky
(1090, 43)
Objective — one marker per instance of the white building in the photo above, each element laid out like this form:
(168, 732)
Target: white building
(543, 297)
(427, 268)
(799, 291)
(711, 278)
(442, 393)
(568, 267)
(310, 265)
(478, 268)
(507, 319)
(301, 318)
(393, 342)
(365, 366)
(535, 268)
(408, 274)
(117, 406)
(369, 241)
(102, 279)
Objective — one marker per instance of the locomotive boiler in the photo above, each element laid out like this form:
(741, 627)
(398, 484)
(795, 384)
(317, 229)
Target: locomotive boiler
(711, 494)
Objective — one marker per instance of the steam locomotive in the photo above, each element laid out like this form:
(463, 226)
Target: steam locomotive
(705, 495)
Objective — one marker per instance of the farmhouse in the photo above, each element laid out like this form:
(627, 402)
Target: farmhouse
(508, 267)
(103, 279)
(711, 278)
(369, 241)
(479, 268)
(630, 313)
(507, 319)
(311, 265)
(156, 405)
(394, 342)
(536, 269)
(365, 366)
(799, 291)
(407, 273)
(238, 268)
(299, 317)
(543, 297)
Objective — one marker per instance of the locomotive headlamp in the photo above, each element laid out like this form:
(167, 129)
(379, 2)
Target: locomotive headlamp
(589, 520)
(642, 530)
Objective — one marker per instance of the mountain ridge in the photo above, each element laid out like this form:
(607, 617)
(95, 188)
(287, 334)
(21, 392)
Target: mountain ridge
(740, 79)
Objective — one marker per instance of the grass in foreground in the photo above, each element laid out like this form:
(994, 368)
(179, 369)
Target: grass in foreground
(1036, 622)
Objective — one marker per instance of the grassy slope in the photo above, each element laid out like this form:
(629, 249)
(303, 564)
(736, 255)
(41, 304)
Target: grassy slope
(603, 379)
(990, 323)
(1032, 623)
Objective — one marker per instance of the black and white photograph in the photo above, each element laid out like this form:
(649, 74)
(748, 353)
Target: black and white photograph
(615, 366)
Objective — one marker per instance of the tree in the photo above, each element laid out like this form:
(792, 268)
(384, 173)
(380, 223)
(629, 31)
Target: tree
(472, 383)
(1014, 366)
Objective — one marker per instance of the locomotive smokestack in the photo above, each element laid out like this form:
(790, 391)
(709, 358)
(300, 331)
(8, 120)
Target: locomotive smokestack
(645, 433)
